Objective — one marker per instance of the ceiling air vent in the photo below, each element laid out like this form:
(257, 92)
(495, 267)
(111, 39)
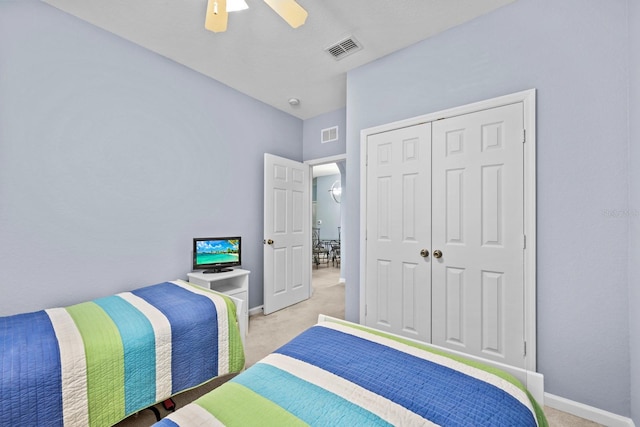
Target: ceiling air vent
(329, 134)
(344, 48)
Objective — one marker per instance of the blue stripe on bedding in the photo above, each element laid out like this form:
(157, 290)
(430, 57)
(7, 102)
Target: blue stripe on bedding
(180, 306)
(138, 341)
(409, 381)
(299, 397)
(36, 363)
(166, 422)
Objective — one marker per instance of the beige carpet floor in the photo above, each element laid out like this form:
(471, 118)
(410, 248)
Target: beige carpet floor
(267, 333)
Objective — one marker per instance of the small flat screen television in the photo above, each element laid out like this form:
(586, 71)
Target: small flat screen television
(216, 254)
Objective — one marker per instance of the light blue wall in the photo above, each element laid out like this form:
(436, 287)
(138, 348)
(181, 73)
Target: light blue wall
(634, 206)
(575, 53)
(313, 147)
(327, 209)
(113, 158)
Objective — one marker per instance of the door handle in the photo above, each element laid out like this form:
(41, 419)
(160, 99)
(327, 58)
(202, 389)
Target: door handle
(424, 253)
(268, 242)
(437, 253)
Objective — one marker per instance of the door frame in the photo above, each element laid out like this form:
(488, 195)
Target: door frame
(528, 99)
(324, 161)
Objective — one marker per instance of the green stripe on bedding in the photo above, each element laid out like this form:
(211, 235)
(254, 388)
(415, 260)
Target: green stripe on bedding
(223, 403)
(236, 349)
(105, 363)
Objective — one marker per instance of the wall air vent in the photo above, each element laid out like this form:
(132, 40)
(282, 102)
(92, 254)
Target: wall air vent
(344, 48)
(329, 134)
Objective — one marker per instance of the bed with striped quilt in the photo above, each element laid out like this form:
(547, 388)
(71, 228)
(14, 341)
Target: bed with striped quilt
(341, 374)
(95, 363)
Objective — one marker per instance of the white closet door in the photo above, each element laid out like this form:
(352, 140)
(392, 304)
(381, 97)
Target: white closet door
(398, 288)
(477, 223)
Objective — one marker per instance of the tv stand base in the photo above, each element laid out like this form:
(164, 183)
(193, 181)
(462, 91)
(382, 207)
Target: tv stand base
(220, 270)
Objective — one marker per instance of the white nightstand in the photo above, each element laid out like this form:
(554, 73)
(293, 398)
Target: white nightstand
(234, 283)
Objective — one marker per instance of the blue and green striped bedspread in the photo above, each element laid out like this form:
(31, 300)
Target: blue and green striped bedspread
(339, 374)
(95, 363)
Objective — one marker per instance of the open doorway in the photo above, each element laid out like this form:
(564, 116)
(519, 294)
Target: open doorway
(325, 215)
(327, 218)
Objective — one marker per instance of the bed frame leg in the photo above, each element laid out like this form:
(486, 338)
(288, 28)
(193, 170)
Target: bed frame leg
(155, 411)
(169, 405)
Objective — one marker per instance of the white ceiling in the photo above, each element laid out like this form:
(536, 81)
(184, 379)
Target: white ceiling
(327, 169)
(262, 56)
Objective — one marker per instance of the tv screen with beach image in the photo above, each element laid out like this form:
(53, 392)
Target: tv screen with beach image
(217, 251)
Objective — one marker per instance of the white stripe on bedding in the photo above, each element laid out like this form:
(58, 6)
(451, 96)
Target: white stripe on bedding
(223, 323)
(194, 415)
(162, 331)
(384, 408)
(480, 374)
(73, 364)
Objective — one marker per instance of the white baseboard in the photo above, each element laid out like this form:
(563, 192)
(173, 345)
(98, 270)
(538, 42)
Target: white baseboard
(590, 413)
(256, 310)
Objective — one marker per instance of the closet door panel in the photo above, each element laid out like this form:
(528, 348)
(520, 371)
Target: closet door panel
(398, 290)
(477, 223)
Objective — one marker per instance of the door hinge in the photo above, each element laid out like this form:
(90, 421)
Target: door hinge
(524, 241)
(365, 310)
(524, 136)
(525, 349)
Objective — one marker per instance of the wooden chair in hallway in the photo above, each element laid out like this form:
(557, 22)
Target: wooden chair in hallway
(335, 250)
(335, 253)
(320, 252)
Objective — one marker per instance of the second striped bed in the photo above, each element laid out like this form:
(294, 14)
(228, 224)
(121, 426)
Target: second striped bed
(337, 374)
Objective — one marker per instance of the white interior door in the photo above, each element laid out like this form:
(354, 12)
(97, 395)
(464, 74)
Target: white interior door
(287, 233)
(477, 222)
(454, 187)
(398, 291)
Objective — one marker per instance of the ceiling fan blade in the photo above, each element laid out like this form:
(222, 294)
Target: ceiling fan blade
(289, 10)
(216, 18)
